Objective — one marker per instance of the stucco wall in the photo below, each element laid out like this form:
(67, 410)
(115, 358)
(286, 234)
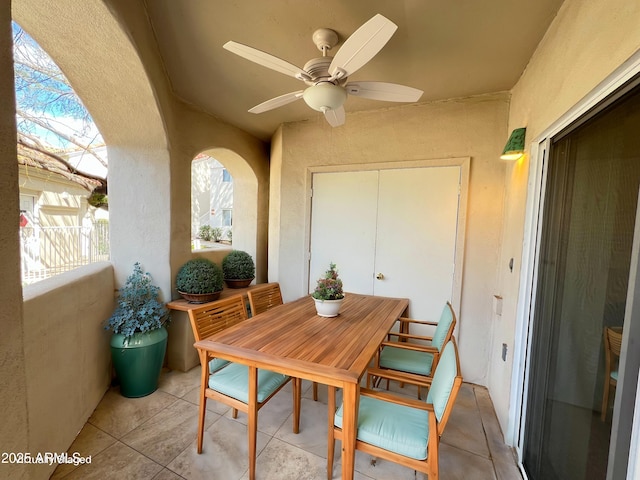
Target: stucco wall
(475, 127)
(67, 357)
(586, 42)
(13, 393)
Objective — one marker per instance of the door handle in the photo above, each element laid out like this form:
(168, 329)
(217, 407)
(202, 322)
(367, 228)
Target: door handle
(379, 276)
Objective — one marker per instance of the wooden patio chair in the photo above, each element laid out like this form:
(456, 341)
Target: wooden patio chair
(401, 429)
(408, 361)
(228, 382)
(264, 298)
(612, 344)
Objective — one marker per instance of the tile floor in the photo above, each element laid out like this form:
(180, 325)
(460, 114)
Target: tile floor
(154, 437)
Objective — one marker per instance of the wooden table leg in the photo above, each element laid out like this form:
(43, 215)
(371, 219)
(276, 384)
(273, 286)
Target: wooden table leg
(350, 405)
(202, 408)
(297, 388)
(252, 426)
(331, 441)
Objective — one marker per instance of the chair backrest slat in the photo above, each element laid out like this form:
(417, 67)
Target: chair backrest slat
(214, 317)
(615, 340)
(262, 299)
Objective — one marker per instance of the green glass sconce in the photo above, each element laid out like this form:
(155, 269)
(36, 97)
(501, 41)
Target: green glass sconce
(514, 148)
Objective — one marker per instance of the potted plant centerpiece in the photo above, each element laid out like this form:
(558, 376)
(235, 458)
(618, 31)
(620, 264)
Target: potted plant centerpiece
(328, 294)
(139, 339)
(238, 269)
(199, 280)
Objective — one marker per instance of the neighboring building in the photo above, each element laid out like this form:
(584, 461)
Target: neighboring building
(58, 225)
(211, 197)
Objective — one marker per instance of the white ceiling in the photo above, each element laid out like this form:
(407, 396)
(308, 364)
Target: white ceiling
(447, 48)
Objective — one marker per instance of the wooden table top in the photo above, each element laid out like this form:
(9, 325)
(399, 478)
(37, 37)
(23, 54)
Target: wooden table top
(292, 339)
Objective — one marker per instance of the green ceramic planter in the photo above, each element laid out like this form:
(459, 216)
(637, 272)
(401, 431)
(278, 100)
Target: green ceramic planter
(138, 361)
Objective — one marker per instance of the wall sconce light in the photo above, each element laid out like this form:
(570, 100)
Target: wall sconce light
(514, 148)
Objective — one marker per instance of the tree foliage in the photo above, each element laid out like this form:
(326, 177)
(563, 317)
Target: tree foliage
(49, 114)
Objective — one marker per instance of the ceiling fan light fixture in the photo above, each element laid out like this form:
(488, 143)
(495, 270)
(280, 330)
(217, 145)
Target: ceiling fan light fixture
(325, 96)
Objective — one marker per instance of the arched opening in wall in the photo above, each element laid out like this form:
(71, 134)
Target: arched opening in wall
(98, 56)
(224, 197)
(62, 162)
(211, 204)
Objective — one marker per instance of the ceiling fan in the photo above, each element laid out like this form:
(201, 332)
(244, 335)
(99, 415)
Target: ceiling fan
(326, 76)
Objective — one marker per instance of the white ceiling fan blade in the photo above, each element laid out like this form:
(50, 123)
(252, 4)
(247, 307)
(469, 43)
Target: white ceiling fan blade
(266, 60)
(362, 45)
(388, 92)
(335, 117)
(277, 102)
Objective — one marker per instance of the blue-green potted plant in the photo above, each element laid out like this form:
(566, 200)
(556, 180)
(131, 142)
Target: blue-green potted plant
(199, 281)
(238, 269)
(139, 339)
(328, 293)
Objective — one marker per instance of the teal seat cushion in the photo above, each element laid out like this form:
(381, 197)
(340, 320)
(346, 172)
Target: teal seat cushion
(233, 381)
(216, 364)
(403, 360)
(614, 375)
(392, 427)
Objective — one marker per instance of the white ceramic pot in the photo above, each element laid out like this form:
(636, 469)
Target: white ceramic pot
(328, 308)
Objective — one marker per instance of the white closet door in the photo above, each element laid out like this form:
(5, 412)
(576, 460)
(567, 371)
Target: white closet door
(400, 223)
(416, 236)
(343, 228)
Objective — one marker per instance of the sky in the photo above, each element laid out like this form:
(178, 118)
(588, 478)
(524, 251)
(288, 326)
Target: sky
(44, 93)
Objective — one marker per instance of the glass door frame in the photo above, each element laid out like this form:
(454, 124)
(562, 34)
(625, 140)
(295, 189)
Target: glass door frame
(617, 84)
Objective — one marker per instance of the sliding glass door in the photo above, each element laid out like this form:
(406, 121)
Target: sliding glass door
(585, 252)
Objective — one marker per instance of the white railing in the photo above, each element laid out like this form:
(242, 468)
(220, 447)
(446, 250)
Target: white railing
(49, 251)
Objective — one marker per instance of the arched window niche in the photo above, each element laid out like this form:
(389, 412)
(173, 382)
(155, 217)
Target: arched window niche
(224, 197)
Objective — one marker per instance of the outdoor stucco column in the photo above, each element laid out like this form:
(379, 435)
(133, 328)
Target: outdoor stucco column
(13, 393)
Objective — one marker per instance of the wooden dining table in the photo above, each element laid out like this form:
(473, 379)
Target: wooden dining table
(293, 340)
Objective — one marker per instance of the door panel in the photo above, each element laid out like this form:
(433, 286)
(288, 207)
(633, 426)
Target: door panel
(398, 222)
(343, 222)
(416, 237)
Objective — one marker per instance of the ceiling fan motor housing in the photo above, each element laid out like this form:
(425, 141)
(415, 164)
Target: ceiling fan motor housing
(318, 70)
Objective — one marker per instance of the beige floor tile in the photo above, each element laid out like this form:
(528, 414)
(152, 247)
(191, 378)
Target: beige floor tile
(179, 383)
(465, 430)
(89, 442)
(167, 474)
(164, 436)
(224, 453)
(313, 429)
(456, 464)
(118, 415)
(117, 462)
(281, 461)
(274, 414)
(193, 396)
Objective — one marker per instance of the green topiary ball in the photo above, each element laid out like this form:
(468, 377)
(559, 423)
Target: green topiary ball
(238, 265)
(199, 275)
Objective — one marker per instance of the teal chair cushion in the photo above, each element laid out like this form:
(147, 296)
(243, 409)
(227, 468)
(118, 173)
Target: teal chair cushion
(216, 364)
(443, 379)
(396, 428)
(233, 381)
(614, 375)
(440, 333)
(410, 361)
